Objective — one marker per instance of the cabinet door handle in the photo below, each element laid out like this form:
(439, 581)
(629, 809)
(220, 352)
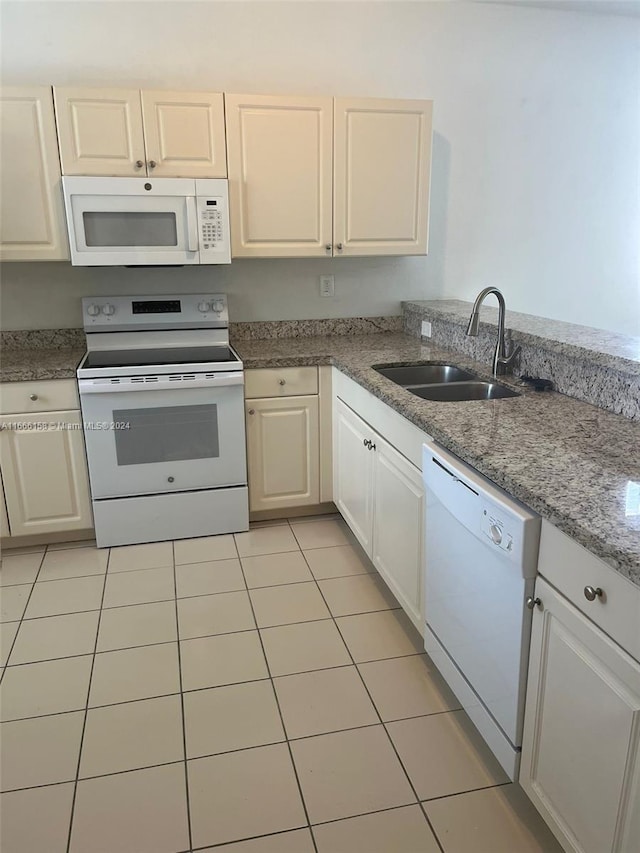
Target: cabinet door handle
(139, 164)
(33, 397)
(152, 164)
(339, 247)
(533, 602)
(372, 446)
(252, 411)
(327, 248)
(591, 593)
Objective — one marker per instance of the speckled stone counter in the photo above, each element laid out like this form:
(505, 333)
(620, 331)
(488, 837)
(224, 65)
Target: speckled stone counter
(575, 464)
(22, 365)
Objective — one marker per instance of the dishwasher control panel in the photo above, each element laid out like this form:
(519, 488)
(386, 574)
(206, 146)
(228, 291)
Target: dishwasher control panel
(498, 528)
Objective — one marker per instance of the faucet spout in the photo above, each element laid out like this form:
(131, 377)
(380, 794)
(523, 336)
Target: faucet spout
(501, 362)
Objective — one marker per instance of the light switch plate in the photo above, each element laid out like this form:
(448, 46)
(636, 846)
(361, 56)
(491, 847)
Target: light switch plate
(426, 329)
(327, 285)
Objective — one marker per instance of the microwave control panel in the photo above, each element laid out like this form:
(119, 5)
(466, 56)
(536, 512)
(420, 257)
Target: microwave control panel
(213, 229)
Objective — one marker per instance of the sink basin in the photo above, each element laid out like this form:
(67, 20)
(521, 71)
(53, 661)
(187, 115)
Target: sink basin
(455, 392)
(424, 374)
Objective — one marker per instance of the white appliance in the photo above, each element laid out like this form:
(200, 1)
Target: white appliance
(162, 398)
(481, 556)
(147, 221)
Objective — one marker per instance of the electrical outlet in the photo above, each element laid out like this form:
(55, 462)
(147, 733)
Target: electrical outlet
(426, 329)
(327, 285)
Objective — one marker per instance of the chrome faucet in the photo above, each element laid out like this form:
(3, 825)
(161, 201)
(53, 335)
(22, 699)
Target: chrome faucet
(501, 361)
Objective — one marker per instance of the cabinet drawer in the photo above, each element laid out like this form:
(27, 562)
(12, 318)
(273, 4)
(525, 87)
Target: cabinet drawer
(281, 382)
(49, 395)
(571, 568)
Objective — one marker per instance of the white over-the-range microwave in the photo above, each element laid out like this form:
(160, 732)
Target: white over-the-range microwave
(147, 221)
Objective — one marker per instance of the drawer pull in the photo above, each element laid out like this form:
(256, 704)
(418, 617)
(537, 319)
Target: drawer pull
(591, 593)
(282, 381)
(533, 602)
(33, 397)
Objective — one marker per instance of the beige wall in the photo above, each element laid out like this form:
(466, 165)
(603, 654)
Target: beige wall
(535, 166)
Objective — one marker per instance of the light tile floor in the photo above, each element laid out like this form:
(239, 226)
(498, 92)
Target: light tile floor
(257, 693)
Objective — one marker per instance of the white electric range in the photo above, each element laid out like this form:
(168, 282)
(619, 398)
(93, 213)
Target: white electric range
(162, 398)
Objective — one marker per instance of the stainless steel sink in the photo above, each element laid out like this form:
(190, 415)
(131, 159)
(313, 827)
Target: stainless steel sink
(454, 392)
(424, 374)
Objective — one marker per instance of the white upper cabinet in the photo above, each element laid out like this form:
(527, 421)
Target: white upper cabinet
(32, 224)
(382, 168)
(280, 175)
(125, 132)
(316, 177)
(100, 131)
(184, 134)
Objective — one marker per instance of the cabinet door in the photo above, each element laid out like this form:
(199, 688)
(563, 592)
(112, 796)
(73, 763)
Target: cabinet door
(398, 526)
(45, 473)
(580, 755)
(283, 452)
(100, 131)
(382, 159)
(353, 465)
(280, 179)
(184, 134)
(32, 222)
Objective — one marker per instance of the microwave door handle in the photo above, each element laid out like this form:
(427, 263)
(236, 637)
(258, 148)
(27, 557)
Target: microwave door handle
(192, 224)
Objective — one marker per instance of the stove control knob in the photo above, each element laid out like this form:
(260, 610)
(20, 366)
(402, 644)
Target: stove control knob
(109, 309)
(218, 306)
(203, 307)
(93, 310)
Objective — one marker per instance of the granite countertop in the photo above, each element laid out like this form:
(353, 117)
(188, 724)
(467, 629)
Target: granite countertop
(575, 464)
(29, 363)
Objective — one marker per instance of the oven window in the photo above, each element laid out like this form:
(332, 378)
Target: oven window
(138, 228)
(166, 434)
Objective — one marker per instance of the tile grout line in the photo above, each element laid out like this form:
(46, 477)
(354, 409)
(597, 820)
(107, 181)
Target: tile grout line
(184, 722)
(21, 620)
(86, 711)
(375, 707)
(211, 687)
(277, 701)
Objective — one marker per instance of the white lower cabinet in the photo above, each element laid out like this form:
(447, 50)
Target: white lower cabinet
(581, 751)
(44, 473)
(398, 527)
(288, 417)
(283, 452)
(381, 497)
(353, 473)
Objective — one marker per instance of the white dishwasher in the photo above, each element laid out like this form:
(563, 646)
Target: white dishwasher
(481, 555)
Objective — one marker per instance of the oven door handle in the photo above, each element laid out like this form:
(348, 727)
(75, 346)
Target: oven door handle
(168, 383)
(192, 224)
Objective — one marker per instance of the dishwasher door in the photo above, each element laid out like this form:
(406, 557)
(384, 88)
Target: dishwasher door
(481, 549)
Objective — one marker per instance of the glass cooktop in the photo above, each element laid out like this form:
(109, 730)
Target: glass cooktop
(164, 355)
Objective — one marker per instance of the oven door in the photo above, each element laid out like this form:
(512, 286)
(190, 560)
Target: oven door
(155, 434)
(118, 222)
